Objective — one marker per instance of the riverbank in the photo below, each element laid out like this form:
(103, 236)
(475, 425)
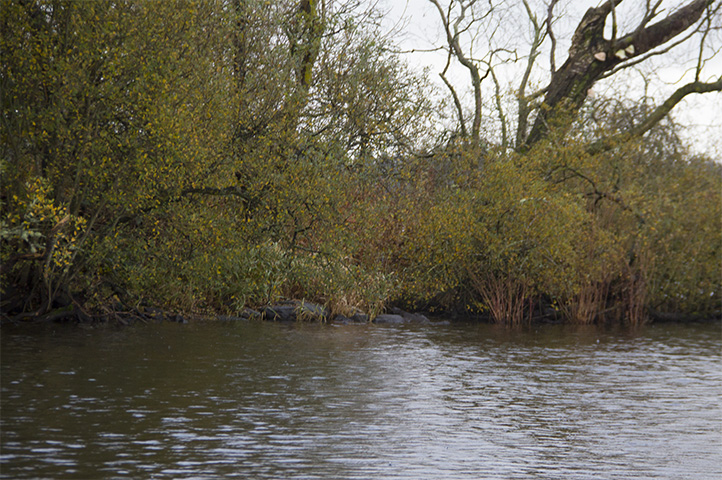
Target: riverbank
(301, 311)
(295, 311)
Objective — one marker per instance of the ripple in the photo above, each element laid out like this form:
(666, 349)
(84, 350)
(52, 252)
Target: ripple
(303, 402)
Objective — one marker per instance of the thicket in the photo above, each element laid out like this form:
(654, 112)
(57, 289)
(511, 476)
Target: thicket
(208, 156)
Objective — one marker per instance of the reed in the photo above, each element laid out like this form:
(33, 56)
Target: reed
(506, 297)
(634, 298)
(588, 305)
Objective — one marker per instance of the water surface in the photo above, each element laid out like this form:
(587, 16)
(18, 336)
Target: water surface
(260, 400)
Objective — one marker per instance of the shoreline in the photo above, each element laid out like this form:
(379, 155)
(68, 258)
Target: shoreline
(299, 311)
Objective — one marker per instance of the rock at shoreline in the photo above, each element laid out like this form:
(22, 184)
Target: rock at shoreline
(313, 312)
(389, 319)
(279, 313)
(358, 318)
(244, 315)
(411, 317)
(396, 317)
(302, 311)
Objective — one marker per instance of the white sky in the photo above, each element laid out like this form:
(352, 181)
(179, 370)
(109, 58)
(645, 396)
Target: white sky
(419, 28)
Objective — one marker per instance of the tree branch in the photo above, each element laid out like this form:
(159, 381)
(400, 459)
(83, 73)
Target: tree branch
(656, 116)
(455, 97)
(664, 30)
(455, 47)
(661, 111)
(523, 100)
(500, 109)
(552, 38)
(227, 191)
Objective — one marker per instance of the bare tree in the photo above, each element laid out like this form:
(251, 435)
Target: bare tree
(454, 28)
(592, 56)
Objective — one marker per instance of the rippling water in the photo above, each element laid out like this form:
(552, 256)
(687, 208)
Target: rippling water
(259, 400)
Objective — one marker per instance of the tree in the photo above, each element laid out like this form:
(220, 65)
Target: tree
(208, 155)
(593, 55)
(144, 144)
(109, 110)
(453, 30)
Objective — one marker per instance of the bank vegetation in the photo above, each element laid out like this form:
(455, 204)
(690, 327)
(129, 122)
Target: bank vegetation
(208, 156)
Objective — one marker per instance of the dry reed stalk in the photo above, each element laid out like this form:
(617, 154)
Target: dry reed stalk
(505, 296)
(587, 305)
(634, 299)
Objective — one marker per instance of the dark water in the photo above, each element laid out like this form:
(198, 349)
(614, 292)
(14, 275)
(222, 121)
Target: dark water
(251, 400)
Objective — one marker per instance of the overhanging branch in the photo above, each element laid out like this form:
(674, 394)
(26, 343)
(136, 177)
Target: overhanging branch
(661, 111)
(656, 116)
(227, 191)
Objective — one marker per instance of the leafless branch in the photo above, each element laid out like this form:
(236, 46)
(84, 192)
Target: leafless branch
(592, 57)
(457, 103)
(455, 47)
(614, 24)
(653, 53)
(499, 108)
(550, 33)
(522, 99)
(656, 115)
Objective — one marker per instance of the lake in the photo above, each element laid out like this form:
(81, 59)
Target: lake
(258, 400)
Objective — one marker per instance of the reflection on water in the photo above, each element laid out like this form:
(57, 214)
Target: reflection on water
(254, 400)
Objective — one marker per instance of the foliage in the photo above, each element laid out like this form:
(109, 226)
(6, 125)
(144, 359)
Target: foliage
(208, 156)
(42, 231)
(110, 106)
